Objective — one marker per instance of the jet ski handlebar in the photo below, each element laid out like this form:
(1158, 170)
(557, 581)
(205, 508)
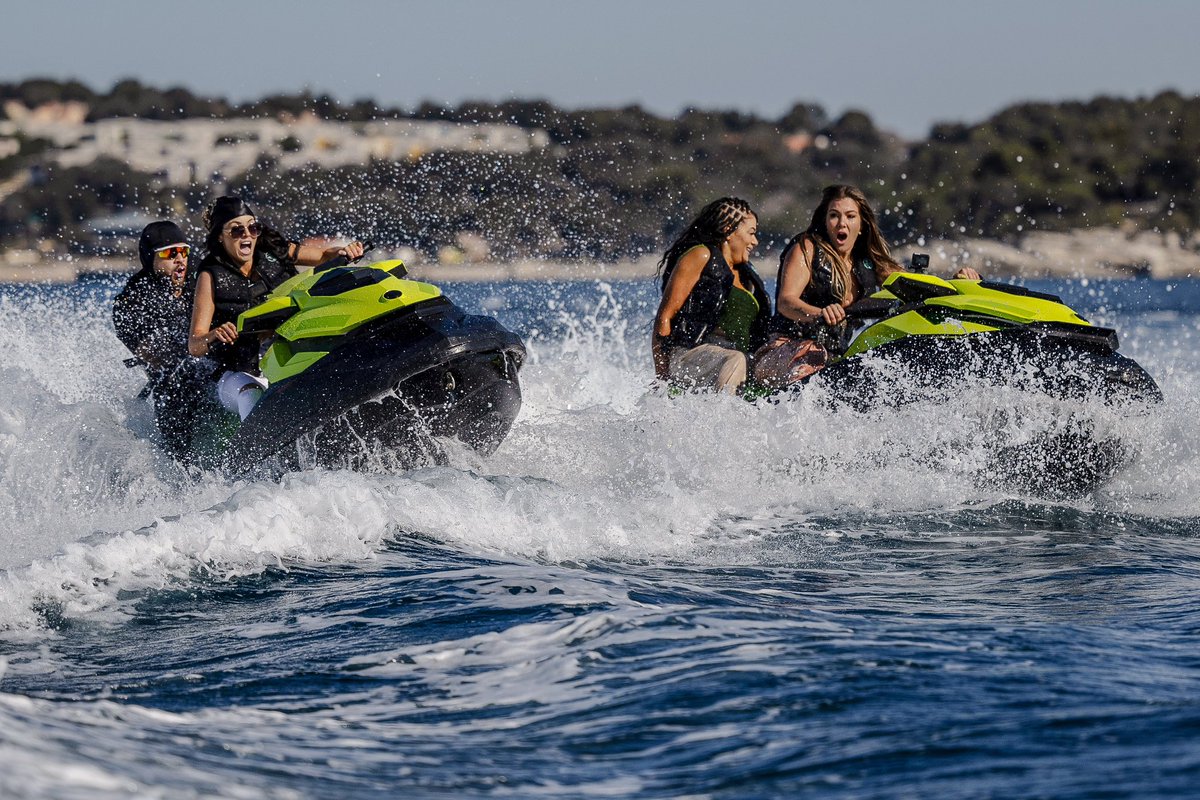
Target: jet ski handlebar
(342, 260)
(870, 308)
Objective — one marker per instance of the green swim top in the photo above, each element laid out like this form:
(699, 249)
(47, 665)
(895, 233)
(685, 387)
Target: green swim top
(741, 309)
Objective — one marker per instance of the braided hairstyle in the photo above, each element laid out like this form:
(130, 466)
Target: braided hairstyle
(711, 228)
(870, 245)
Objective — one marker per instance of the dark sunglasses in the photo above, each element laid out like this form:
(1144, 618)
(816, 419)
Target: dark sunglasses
(167, 253)
(238, 230)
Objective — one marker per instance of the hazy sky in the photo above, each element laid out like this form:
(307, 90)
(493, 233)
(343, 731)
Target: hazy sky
(907, 64)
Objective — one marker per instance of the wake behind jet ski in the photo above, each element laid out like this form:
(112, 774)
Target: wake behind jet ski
(367, 366)
(930, 336)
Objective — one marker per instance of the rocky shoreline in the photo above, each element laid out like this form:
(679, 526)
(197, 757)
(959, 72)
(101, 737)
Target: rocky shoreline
(1091, 253)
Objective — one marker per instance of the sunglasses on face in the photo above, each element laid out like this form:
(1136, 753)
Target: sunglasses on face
(238, 230)
(167, 253)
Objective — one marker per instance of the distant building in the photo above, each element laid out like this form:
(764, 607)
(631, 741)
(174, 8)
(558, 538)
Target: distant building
(183, 152)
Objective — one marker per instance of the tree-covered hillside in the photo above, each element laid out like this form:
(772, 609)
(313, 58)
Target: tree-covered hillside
(616, 183)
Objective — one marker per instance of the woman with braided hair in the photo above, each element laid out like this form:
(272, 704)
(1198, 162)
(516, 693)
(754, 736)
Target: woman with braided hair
(714, 308)
(840, 258)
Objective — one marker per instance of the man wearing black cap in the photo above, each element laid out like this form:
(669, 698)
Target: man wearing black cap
(151, 316)
(152, 312)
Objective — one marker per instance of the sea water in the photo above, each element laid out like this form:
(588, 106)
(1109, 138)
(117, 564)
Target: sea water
(637, 595)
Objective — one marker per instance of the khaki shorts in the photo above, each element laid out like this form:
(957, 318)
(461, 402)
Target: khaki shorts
(709, 367)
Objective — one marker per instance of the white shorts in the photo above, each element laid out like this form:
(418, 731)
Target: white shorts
(239, 391)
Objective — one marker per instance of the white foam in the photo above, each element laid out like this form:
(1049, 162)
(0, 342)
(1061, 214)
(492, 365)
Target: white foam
(104, 749)
(596, 467)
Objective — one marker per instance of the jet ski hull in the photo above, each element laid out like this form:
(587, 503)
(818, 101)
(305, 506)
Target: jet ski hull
(1028, 359)
(940, 340)
(396, 387)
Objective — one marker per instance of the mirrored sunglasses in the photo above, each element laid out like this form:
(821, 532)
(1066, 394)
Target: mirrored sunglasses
(167, 253)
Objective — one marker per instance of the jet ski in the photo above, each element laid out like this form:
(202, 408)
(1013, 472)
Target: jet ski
(927, 337)
(366, 367)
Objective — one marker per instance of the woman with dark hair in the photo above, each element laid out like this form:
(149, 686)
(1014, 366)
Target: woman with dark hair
(243, 262)
(714, 308)
(840, 258)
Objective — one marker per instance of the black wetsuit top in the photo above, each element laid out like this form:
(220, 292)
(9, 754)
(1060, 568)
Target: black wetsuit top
(233, 293)
(701, 312)
(150, 319)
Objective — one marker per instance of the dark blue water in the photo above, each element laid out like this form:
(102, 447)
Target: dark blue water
(637, 596)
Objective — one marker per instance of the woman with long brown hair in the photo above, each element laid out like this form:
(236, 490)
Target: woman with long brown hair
(840, 258)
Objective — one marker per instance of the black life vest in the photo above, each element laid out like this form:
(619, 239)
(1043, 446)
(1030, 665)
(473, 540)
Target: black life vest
(702, 310)
(233, 293)
(820, 293)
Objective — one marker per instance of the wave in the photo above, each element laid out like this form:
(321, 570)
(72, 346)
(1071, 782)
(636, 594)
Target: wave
(598, 466)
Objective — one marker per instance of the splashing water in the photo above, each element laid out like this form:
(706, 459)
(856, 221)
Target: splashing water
(636, 595)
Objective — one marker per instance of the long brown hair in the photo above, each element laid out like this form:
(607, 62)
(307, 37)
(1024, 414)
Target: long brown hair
(869, 246)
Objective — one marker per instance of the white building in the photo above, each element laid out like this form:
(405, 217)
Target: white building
(182, 152)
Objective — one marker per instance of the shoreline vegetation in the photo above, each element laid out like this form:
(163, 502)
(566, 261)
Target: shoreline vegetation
(522, 189)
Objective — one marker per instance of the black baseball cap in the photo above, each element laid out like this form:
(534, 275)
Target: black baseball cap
(156, 236)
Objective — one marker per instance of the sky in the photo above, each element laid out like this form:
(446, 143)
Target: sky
(907, 64)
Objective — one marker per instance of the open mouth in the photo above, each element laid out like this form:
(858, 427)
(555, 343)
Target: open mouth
(843, 236)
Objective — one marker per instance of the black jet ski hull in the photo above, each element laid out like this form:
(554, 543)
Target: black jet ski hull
(431, 372)
(1069, 457)
(1030, 359)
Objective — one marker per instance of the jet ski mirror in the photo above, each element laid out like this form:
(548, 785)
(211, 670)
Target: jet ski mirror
(916, 287)
(919, 262)
(267, 319)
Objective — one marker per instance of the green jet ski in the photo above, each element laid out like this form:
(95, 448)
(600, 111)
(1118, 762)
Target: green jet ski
(928, 337)
(367, 367)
